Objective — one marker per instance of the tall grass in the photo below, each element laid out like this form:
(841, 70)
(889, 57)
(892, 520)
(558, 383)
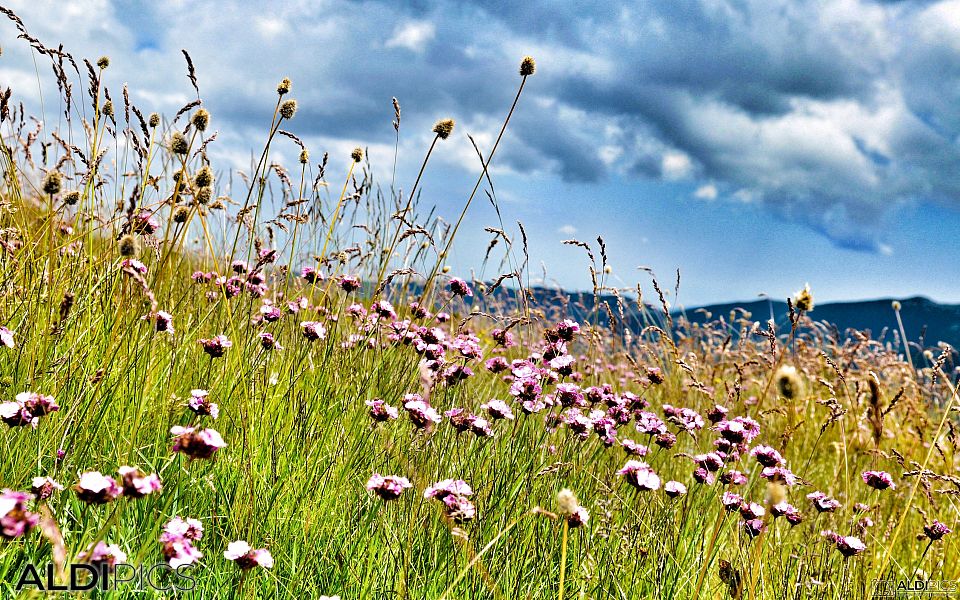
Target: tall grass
(301, 443)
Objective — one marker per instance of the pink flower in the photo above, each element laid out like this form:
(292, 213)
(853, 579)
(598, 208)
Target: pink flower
(216, 346)
(381, 411)
(137, 484)
(313, 330)
(200, 404)
(246, 557)
(44, 487)
(640, 475)
(389, 487)
(349, 283)
(498, 409)
(103, 554)
(196, 444)
(674, 489)
(177, 541)
(459, 287)
(879, 480)
(421, 413)
(936, 530)
(15, 520)
(453, 493)
(822, 502)
(97, 488)
(268, 342)
(6, 337)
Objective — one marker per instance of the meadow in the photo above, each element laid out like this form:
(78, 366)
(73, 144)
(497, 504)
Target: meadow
(308, 402)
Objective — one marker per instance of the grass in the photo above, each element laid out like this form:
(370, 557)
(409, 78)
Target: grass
(301, 443)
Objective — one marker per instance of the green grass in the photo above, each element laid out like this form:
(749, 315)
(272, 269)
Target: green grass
(301, 445)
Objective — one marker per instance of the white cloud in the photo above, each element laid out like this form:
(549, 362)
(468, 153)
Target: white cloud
(706, 192)
(675, 165)
(413, 35)
(567, 230)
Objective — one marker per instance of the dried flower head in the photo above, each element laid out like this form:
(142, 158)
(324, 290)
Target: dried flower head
(357, 154)
(527, 66)
(180, 214)
(788, 381)
(803, 299)
(443, 128)
(304, 157)
(128, 246)
(288, 109)
(107, 109)
(154, 119)
(71, 198)
(284, 86)
(178, 143)
(52, 183)
(201, 119)
(203, 177)
(103, 62)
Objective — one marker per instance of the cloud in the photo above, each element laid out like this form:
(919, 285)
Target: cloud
(567, 230)
(832, 114)
(413, 36)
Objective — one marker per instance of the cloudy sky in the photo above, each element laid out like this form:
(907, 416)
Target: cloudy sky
(753, 144)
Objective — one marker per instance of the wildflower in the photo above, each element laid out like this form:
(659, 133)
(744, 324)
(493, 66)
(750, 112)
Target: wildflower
(640, 475)
(710, 461)
(103, 62)
(284, 86)
(137, 484)
(751, 510)
(154, 119)
(803, 299)
(753, 527)
(443, 317)
(178, 143)
(44, 487)
(498, 409)
(570, 508)
(127, 246)
(216, 346)
(788, 381)
(665, 440)
(717, 414)
(134, 265)
(313, 330)
(731, 501)
(878, 480)
(349, 283)
(14, 414)
(454, 494)
(389, 487)
(357, 154)
(288, 109)
(767, 456)
(6, 337)
(246, 557)
(701, 475)
(936, 530)
(196, 444)
(527, 66)
(733, 477)
(822, 502)
(268, 342)
(633, 448)
(779, 475)
(145, 224)
(102, 554)
(201, 119)
(381, 411)
(459, 287)
(421, 414)
(71, 198)
(497, 364)
(36, 404)
(674, 489)
(177, 541)
(846, 545)
(650, 423)
(97, 488)
(15, 520)
(163, 322)
(443, 128)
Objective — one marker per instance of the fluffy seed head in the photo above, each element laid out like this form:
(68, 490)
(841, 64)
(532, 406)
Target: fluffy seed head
(788, 382)
(357, 154)
(304, 157)
(71, 197)
(527, 66)
(567, 502)
(284, 86)
(128, 245)
(204, 194)
(443, 128)
(107, 109)
(103, 62)
(180, 215)
(201, 119)
(288, 109)
(204, 177)
(803, 299)
(52, 183)
(178, 143)
(154, 119)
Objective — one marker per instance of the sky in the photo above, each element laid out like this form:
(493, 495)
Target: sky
(755, 145)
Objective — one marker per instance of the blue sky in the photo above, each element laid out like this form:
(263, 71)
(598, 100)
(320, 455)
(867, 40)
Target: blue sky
(754, 144)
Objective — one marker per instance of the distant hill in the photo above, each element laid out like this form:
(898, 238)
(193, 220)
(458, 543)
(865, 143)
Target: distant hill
(925, 322)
